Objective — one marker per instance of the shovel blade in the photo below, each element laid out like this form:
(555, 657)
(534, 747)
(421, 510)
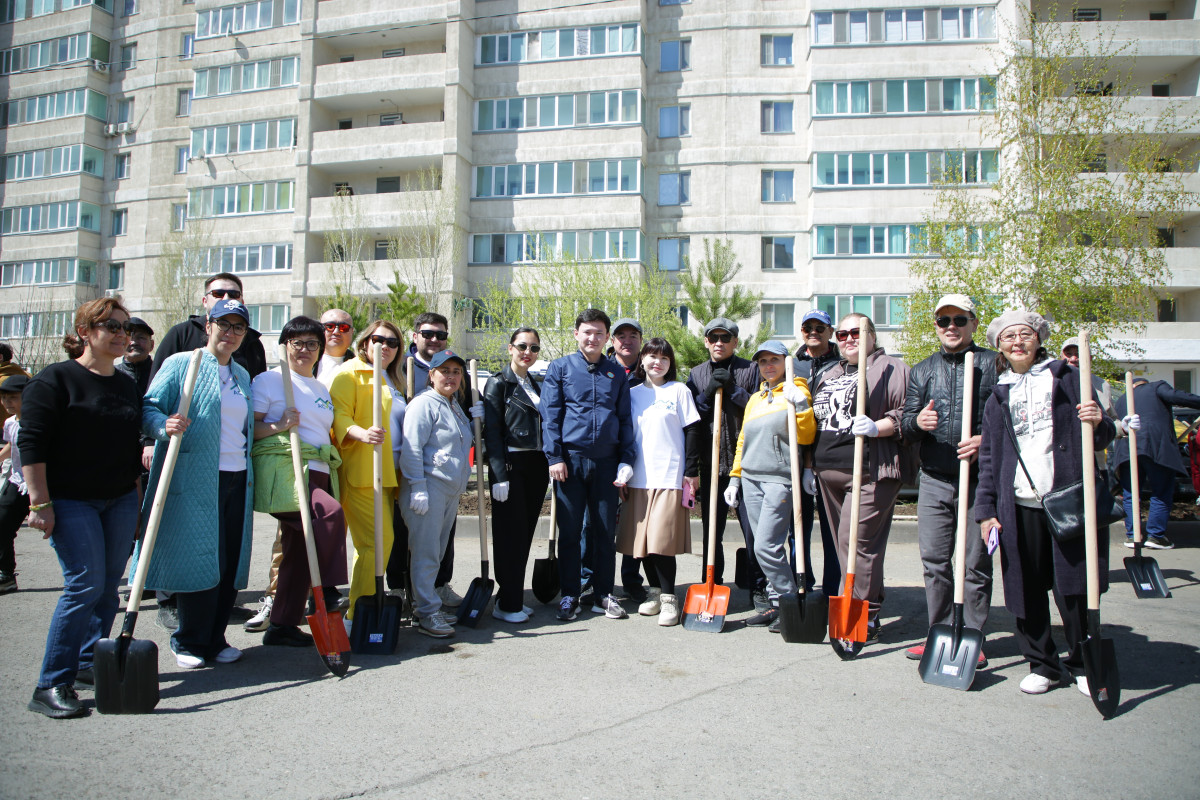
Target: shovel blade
(545, 579)
(848, 619)
(329, 636)
(1146, 577)
(1100, 666)
(376, 630)
(126, 673)
(741, 568)
(479, 594)
(951, 657)
(705, 607)
(803, 618)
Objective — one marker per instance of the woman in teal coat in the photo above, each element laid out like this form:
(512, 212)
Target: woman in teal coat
(203, 548)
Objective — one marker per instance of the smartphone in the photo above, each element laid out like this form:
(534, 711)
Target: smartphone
(689, 496)
(993, 540)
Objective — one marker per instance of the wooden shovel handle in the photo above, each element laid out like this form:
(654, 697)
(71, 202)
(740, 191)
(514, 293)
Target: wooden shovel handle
(310, 544)
(789, 374)
(859, 445)
(479, 496)
(964, 480)
(1090, 544)
(714, 476)
(377, 450)
(408, 374)
(1134, 483)
(553, 517)
(164, 484)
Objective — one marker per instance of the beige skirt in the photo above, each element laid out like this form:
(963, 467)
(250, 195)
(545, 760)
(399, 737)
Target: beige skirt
(654, 521)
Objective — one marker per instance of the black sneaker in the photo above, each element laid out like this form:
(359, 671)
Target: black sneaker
(763, 618)
(57, 702)
(1158, 543)
(168, 618)
(8, 582)
(286, 636)
(568, 608)
(774, 626)
(635, 593)
(760, 600)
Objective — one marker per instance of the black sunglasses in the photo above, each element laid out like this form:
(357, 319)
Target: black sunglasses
(533, 348)
(387, 341)
(959, 320)
(114, 326)
(441, 336)
(724, 338)
(341, 327)
(815, 327)
(221, 294)
(844, 335)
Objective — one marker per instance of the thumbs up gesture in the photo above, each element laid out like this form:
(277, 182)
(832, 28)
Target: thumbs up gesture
(928, 418)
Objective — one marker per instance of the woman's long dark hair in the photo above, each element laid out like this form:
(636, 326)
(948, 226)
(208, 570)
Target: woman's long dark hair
(656, 347)
(298, 326)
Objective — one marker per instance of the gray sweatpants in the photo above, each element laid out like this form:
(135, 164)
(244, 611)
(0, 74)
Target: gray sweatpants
(769, 511)
(428, 534)
(937, 526)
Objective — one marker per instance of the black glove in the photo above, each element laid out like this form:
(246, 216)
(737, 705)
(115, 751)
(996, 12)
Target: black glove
(721, 379)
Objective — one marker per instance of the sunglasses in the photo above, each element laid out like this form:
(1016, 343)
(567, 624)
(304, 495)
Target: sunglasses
(723, 338)
(959, 320)
(238, 328)
(221, 294)
(386, 341)
(300, 345)
(533, 348)
(340, 327)
(441, 336)
(815, 327)
(852, 333)
(114, 326)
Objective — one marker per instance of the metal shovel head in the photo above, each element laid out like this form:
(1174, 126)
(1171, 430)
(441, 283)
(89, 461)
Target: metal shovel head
(803, 618)
(376, 630)
(741, 568)
(1100, 666)
(329, 635)
(705, 607)
(545, 579)
(847, 626)
(126, 671)
(479, 594)
(951, 656)
(1146, 577)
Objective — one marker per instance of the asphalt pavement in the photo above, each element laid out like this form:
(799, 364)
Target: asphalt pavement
(600, 708)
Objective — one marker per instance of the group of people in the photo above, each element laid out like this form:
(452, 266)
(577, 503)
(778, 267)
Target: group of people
(628, 447)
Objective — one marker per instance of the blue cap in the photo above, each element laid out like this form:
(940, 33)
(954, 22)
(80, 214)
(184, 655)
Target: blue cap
(770, 346)
(818, 315)
(444, 356)
(227, 306)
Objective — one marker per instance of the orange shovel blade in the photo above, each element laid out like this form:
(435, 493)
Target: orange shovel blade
(329, 636)
(847, 616)
(705, 606)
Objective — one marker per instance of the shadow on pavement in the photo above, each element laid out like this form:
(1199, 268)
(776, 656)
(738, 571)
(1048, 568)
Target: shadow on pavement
(1154, 667)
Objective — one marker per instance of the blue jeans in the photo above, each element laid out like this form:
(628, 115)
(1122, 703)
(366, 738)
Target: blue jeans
(92, 539)
(588, 490)
(1161, 483)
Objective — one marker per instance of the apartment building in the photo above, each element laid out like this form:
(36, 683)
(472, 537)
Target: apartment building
(291, 142)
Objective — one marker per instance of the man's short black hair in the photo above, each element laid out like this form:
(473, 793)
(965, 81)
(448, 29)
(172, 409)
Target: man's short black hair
(223, 276)
(593, 315)
(430, 318)
(6, 351)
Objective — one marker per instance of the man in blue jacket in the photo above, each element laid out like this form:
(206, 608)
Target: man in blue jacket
(587, 436)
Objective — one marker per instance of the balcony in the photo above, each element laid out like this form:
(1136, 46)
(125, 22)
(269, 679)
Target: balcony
(350, 17)
(356, 85)
(1166, 46)
(372, 212)
(324, 276)
(389, 149)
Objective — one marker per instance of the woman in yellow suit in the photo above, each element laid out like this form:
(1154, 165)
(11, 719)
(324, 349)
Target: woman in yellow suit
(762, 467)
(356, 436)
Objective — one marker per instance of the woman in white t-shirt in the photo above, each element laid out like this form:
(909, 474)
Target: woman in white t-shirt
(654, 522)
(304, 341)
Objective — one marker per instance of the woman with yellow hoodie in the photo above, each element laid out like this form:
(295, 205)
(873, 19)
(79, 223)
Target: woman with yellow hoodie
(762, 469)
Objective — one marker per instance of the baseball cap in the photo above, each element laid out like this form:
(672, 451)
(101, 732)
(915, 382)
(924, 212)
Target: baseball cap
(227, 306)
(626, 321)
(770, 346)
(444, 356)
(819, 316)
(956, 300)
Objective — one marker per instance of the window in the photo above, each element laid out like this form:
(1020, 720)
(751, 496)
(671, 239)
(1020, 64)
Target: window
(1164, 237)
(777, 51)
(1097, 163)
(903, 25)
(674, 188)
(778, 252)
(674, 121)
(1085, 15)
(247, 77)
(601, 40)
(675, 56)
(673, 254)
(53, 106)
(381, 249)
(182, 154)
(673, 2)
(618, 107)
(253, 16)
(183, 103)
(395, 52)
(345, 124)
(120, 221)
(1182, 379)
(48, 272)
(869, 240)
(51, 162)
(51, 53)
(125, 110)
(780, 318)
(268, 197)
(241, 258)
(776, 117)
(885, 310)
(128, 56)
(50, 217)
(129, 7)
(906, 168)
(178, 216)
(390, 119)
(913, 96)
(512, 248)
(777, 185)
(1160, 90)
(269, 318)
(243, 137)
(608, 176)
(121, 165)
(116, 276)
(387, 185)
(1166, 310)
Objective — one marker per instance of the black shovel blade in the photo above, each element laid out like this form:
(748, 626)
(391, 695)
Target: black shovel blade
(951, 656)
(479, 594)
(741, 569)
(1100, 666)
(803, 618)
(126, 671)
(846, 649)
(545, 579)
(1146, 577)
(376, 629)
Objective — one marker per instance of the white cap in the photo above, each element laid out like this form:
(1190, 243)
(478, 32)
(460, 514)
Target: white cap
(956, 300)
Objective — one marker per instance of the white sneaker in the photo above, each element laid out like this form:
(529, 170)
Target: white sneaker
(652, 604)
(609, 607)
(450, 598)
(186, 661)
(436, 625)
(1036, 684)
(514, 617)
(262, 620)
(669, 615)
(1082, 684)
(228, 655)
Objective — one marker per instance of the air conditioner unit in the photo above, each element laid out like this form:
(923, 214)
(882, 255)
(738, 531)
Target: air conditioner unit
(110, 130)
(99, 66)
(112, 292)
(124, 127)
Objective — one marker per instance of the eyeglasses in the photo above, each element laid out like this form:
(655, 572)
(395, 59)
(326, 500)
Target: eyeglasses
(723, 338)
(300, 345)
(386, 341)
(221, 294)
(239, 328)
(815, 327)
(441, 336)
(533, 348)
(114, 326)
(1024, 336)
(959, 320)
(853, 333)
(340, 327)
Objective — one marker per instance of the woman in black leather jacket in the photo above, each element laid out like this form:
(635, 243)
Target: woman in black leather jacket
(518, 470)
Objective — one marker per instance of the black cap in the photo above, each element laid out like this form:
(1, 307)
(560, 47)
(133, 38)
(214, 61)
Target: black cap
(14, 384)
(138, 322)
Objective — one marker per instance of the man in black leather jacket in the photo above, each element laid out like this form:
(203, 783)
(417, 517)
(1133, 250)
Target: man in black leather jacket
(933, 418)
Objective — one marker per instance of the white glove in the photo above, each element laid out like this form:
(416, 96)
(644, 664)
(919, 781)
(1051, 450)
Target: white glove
(809, 481)
(1131, 422)
(419, 502)
(500, 492)
(864, 426)
(795, 395)
(477, 410)
(624, 475)
(731, 495)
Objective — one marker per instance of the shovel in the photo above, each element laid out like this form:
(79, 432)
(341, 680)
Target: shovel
(545, 570)
(706, 604)
(126, 669)
(329, 635)
(952, 651)
(479, 593)
(802, 617)
(847, 616)
(376, 628)
(1099, 655)
(1143, 572)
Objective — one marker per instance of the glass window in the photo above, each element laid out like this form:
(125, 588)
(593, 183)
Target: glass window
(673, 254)
(781, 318)
(778, 252)
(674, 121)
(776, 117)
(674, 188)
(675, 56)
(121, 165)
(777, 186)
(823, 27)
(777, 51)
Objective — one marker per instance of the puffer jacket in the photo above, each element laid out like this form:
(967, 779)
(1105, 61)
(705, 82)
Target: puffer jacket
(510, 420)
(940, 378)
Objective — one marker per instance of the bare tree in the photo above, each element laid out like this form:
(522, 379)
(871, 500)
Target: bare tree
(429, 242)
(178, 274)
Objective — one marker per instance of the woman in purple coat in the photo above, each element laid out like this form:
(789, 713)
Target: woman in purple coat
(1036, 407)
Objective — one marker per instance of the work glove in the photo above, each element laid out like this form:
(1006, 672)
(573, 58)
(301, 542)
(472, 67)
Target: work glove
(808, 481)
(1131, 422)
(721, 379)
(731, 493)
(863, 425)
(795, 395)
(419, 502)
(477, 410)
(500, 492)
(624, 475)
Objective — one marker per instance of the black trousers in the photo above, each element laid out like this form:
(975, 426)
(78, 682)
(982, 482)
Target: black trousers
(1034, 544)
(14, 508)
(514, 522)
(758, 581)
